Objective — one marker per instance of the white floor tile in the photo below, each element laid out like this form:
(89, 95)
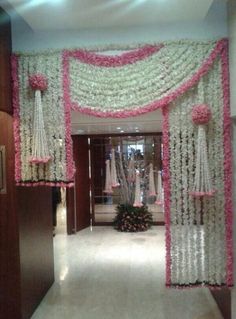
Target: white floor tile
(105, 274)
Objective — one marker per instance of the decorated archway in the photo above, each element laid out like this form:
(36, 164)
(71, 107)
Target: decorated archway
(189, 81)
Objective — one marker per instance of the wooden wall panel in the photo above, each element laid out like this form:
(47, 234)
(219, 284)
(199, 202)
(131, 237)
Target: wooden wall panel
(36, 245)
(5, 66)
(26, 242)
(223, 300)
(9, 234)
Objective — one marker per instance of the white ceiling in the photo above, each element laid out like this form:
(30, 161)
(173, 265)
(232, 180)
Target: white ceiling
(44, 15)
(147, 123)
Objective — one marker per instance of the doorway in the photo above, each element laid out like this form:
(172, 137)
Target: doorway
(88, 204)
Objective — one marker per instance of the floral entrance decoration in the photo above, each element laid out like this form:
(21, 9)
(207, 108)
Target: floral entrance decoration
(174, 76)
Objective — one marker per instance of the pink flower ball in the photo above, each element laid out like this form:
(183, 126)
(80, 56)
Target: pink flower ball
(201, 114)
(38, 81)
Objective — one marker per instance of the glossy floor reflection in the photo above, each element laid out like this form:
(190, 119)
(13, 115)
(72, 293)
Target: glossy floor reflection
(105, 274)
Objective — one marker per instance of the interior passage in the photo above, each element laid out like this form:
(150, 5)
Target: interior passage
(104, 274)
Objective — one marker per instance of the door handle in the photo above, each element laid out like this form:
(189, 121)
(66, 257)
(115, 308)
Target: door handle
(3, 186)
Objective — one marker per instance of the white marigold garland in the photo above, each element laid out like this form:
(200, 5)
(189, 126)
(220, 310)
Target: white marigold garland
(40, 151)
(201, 115)
(137, 199)
(160, 195)
(108, 183)
(114, 179)
(152, 189)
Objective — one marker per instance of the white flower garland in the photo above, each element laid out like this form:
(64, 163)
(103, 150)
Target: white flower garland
(198, 230)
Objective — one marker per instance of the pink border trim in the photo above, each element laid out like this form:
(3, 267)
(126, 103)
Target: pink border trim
(167, 186)
(228, 159)
(36, 160)
(151, 106)
(52, 184)
(70, 169)
(16, 117)
(117, 60)
(201, 194)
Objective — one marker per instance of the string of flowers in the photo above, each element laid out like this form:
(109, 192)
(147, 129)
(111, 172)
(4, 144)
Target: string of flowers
(201, 115)
(40, 151)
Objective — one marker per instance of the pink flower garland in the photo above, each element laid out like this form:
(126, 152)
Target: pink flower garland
(201, 114)
(206, 65)
(38, 81)
(114, 61)
(228, 160)
(70, 168)
(167, 188)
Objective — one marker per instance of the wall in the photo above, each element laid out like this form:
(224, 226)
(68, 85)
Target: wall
(213, 26)
(26, 244)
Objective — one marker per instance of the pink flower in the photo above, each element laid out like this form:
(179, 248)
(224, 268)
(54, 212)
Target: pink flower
(38, 81)
(201, 114)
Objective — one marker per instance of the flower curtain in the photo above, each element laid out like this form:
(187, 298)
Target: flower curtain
(174, 76)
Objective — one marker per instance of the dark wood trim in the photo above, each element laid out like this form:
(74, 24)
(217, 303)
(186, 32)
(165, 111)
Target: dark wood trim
(70, 211)
(223, 300)
(5, 62)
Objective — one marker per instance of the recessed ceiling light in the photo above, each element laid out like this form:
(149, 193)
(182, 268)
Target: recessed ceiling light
(118, 128)
(122, 131)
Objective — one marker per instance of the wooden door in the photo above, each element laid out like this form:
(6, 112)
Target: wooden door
(82, 182)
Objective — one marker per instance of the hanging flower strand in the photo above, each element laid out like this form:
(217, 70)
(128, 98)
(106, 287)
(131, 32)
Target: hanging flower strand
(152, 190)
(40, 152)
(137, 199)
(201, 115)
(159, 200)
(114, 180)
(108, 186)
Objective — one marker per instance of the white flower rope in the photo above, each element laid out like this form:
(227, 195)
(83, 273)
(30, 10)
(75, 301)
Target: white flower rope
(152, 188)
(137, 198)
(114, 179)
(40, 152)
(177, 74)
(197, 227)
(160, 194)
(108, 181)
(131, 170)
(201, 115)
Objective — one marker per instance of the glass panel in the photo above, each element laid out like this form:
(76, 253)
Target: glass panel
(132, 154)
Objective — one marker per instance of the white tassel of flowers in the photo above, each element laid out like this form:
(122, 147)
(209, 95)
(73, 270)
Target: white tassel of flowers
(108, 188)
(114, 180)
(152, 190)
(160, 196)
(40, 152)
(131, 170)
(137, 198)
(202, 184)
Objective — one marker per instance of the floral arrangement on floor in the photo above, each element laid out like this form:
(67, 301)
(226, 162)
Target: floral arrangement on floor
(132, 219)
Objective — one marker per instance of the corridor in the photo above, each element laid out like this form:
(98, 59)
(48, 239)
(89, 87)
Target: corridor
(105, 274)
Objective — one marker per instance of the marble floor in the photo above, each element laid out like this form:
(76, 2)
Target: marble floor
(104, 274)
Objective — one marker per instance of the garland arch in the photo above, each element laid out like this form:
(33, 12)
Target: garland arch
(174, 76)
